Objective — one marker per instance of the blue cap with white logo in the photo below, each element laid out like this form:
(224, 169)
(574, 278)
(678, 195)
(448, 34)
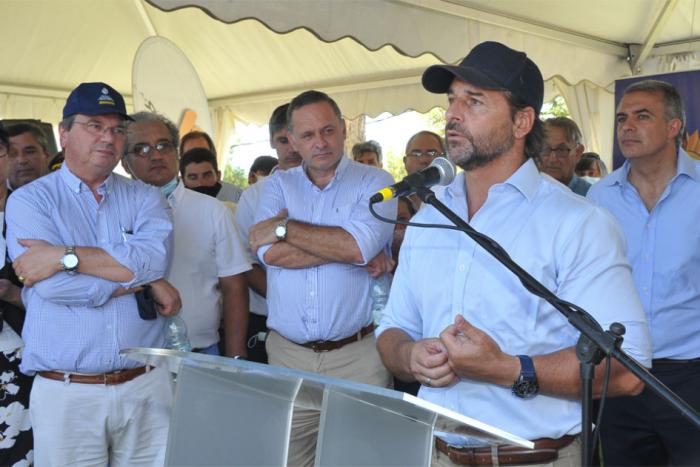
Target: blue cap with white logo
(95, 99)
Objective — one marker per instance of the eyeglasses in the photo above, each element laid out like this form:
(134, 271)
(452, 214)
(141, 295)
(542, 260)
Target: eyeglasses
(146, 150)
(562, 152)
(98, 129)
(418, 153)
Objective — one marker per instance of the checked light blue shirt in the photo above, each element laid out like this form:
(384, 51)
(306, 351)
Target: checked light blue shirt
(664, 250)
(330, 301)
(72, 325)
(573, 247)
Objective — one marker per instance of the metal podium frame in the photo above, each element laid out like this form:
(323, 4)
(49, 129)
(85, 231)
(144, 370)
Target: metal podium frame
(235, 412)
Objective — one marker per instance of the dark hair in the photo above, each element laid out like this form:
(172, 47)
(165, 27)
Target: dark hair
(308, 98)
(409, 204)
(367, 146)
(4, 137)
(198, 134)
(21, 128)
(437, 137)
(264, 164)
(534, 142)
(278, 119)
(672, 101)
(588, 160)
(196, 156)
(568, 126)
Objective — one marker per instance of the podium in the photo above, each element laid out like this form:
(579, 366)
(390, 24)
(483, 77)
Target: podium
(235, 412)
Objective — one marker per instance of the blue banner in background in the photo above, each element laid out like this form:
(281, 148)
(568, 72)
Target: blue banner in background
(688, 85)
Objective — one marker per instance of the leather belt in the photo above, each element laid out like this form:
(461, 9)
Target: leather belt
(327, 346)
(672, 361)
(546, 450)
(114, 377)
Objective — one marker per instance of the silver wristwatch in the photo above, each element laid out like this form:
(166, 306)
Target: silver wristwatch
(69, 260)
(281, 230)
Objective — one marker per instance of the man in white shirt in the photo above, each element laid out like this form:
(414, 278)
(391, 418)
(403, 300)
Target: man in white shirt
(209, 260)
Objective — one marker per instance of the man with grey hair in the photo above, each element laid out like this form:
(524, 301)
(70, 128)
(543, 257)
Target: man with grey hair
(368, 153)
(208, 257)
(83, 241)
(29, 155)
(561, 153)
(654, 197)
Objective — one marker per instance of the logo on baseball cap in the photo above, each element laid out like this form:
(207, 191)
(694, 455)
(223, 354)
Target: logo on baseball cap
(95, 99)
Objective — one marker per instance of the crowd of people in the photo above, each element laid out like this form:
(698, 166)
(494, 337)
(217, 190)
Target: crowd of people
(280, 272)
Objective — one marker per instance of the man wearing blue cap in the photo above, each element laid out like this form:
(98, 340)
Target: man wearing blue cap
(83, 241)
(478, 342)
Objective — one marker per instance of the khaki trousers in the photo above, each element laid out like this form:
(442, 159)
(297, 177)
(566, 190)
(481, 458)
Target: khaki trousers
(358, 361)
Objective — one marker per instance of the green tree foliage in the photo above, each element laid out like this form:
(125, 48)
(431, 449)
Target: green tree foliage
(236, 176)
(555, 108)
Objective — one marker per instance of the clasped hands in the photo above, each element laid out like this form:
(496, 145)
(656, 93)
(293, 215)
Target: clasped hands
(461, 351)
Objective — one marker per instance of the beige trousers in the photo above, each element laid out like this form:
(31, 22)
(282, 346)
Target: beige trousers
(358, 361)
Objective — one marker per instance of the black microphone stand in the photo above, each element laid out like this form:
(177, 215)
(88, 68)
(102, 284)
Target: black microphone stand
(593, 344)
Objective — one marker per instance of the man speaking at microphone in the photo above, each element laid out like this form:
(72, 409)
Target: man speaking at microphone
(462, 324)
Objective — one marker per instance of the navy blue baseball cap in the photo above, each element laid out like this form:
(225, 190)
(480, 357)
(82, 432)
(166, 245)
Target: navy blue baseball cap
(95, 99)
(492, 65)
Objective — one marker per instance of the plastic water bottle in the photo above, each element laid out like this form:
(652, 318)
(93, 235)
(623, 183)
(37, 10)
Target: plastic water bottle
(176, 334)
(379, 293)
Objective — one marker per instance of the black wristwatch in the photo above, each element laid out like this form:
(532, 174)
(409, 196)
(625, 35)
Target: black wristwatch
(526, 386)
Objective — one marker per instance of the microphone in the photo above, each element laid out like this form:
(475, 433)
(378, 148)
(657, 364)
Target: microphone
(440, 172)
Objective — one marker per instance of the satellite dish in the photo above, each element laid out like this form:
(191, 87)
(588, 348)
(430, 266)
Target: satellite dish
(164, 81)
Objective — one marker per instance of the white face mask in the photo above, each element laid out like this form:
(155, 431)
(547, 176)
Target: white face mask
(591, 180)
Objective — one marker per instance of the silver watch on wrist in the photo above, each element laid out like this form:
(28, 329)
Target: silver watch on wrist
(281, 230)
(69, 260)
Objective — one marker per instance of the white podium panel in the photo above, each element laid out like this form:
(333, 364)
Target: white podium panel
(235, 412)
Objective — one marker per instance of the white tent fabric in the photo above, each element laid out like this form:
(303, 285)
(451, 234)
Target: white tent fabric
(368, 54)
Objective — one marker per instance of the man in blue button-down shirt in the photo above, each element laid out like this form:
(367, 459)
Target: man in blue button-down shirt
(654, 196)
(315, 234)
(463, 325)
(83, 240)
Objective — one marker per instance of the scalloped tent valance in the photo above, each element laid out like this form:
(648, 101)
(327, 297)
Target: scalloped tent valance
(369, 54)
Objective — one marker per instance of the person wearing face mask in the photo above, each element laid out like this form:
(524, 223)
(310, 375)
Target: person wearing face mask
(224, 191)
(261, 168)
(209, 260)
(590, 168)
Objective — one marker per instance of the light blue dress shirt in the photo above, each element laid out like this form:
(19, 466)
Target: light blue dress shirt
(245, 219)
(330, 301)
(579, 186)
(72, 325)
(664, 250)
(574, 248)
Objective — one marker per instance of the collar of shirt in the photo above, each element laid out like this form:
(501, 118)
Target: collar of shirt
(76, 185)
(525, 180)
(685, 166)
(339, 171)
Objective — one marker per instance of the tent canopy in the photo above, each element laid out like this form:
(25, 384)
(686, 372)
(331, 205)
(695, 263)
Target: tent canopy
(368, 54)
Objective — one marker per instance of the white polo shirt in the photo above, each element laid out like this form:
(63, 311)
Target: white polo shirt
(207, 246)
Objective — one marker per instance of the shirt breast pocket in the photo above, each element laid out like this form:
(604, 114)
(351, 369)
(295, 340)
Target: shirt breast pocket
(341, 214)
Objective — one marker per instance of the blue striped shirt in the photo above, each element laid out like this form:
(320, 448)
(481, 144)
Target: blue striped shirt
(72, 324)
(664, 250)
(330, 301)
